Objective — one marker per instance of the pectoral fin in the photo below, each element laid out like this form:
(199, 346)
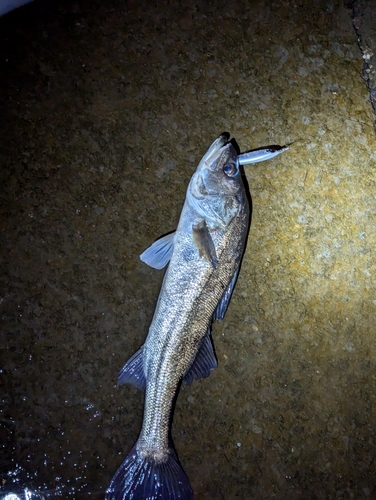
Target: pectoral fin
(204, 242)
(159, 253)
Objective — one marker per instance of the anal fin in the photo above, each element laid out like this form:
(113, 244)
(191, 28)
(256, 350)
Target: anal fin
(204, 362)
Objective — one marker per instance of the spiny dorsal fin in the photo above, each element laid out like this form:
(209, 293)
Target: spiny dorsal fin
(159, 253)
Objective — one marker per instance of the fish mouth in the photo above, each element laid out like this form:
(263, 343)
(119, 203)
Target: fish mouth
(216, 147)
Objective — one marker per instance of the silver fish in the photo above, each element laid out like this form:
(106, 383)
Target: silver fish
(203, 257)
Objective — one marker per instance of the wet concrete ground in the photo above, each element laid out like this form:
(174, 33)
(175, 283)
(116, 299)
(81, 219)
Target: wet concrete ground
(106, 109)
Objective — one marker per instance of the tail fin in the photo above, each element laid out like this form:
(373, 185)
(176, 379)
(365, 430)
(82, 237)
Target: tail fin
(140, 479)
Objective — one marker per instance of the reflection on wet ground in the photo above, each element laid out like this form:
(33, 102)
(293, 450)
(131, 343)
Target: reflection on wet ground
(106, 110)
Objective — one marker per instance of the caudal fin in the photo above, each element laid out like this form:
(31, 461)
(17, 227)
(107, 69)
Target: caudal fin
(139, 479)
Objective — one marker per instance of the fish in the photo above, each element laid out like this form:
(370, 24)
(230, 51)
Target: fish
(203, 258)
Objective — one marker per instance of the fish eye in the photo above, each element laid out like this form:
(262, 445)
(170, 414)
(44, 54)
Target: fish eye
(230, 169)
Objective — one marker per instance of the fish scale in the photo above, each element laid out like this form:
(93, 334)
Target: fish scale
(203, 258)
(183, 325)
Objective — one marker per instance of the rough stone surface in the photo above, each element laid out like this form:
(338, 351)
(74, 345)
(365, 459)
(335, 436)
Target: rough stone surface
(364, 22)
(106, 108)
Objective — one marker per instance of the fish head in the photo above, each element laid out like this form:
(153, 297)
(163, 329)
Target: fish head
(216, 190)
(218, 170)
